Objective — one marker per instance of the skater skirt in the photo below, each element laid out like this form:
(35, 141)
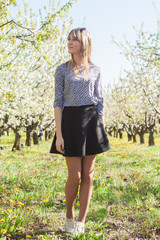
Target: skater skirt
(83, 132)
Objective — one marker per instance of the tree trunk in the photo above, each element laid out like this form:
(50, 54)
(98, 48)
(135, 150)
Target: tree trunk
(110, 133)
(141, 135)
(35, 138)
(114, 132)
(46, 135)
(151, 138)
(134, 138)
(17, 142)
(129, 137)
(120, 135)
(28, 136)
(50, 135)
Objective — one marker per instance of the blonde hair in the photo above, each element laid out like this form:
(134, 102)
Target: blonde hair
(82, 35)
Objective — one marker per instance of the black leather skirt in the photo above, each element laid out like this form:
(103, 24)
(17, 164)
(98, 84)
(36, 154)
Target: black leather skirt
(83, 132)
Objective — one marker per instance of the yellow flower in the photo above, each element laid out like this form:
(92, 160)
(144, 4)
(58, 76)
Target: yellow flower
(103, 184)
(40, 235)
(2, 220)
(15, 216)
(3, 231)
(2, 212)
(78, 203)
(11, 201)
(64, 200)
(8, 211)
(53, 233)
(45, 200)
(8, 235)
(20, 203)
(150, 209)
(28, 236)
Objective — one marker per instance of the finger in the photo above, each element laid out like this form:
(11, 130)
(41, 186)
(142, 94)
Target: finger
(62, 145)
(62, 148)
(59, 149)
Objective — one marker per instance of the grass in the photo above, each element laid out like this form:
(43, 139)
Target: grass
(125, 202)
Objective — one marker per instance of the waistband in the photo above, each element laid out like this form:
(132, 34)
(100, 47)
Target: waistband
(81, 106)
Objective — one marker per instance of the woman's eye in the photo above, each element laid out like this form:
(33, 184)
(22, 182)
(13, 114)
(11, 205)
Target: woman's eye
(74, 39)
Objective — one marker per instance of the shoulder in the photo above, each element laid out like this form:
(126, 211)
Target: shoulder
(61, 68)
(95, 68)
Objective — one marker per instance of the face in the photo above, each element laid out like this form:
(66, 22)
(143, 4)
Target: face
(74, 46)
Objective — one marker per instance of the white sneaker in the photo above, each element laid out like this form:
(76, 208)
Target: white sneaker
(70, 226)
(79, 228)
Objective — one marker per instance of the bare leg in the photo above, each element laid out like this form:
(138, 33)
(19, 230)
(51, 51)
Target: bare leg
(86, 185)
(71, 188)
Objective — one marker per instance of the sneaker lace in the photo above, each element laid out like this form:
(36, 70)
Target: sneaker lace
(70, 223)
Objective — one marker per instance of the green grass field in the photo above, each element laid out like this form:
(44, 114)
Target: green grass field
(125, 202)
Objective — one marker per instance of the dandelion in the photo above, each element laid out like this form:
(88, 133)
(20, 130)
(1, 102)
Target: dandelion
(28, 236)
(2, 220)
(11, 201)
(8, 211)
(78, 203)
(2, 212)
(20, 203)
(15, 216)
(150, 209)
(52, 233)
(3, 231)
(103, 184)
(64, 200)
(45, 200)
(41, 235)
(8, 235)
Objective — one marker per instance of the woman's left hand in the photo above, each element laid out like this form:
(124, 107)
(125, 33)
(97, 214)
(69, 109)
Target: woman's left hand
(102, 118)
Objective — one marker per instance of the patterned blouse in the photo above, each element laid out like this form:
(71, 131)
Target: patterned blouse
(70, 89)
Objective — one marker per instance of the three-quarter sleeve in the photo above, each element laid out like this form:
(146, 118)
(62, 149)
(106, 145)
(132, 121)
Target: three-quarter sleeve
(99, 94)
(59, 88)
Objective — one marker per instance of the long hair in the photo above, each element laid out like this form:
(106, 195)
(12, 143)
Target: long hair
(82, 35)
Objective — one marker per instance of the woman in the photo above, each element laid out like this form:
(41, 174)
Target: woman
(79, 119)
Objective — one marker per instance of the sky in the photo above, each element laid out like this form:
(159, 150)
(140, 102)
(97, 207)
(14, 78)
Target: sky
(107, 18)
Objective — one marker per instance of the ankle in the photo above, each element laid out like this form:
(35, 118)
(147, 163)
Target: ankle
(70, 216)
(81, 220)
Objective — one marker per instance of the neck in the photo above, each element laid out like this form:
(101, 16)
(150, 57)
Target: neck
(79, 61)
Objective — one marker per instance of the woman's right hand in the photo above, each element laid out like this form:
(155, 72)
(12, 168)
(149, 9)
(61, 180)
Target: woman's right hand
(60, 144)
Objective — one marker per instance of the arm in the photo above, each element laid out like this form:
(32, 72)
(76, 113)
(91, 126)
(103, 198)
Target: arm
(58, 120)
(99, 94)
(58, 106)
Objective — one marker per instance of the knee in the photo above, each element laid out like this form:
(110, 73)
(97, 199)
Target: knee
(87, 177)
(74, 178)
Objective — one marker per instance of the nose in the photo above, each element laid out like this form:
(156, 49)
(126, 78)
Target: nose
(70, 42)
